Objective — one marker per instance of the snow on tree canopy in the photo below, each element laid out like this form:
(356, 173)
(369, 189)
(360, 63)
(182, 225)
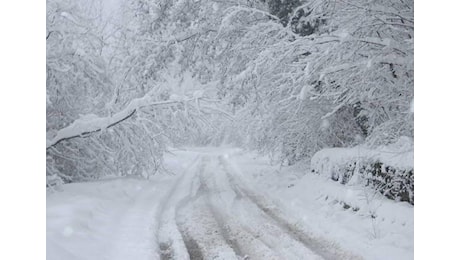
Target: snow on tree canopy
(304, 92)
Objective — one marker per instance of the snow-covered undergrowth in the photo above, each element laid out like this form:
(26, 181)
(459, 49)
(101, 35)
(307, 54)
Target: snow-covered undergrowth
(356, 217)
(389, 169)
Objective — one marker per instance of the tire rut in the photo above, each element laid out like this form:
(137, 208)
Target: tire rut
(193, 249)
(224, 230)
(245, 244)
(208, 231)
(325, 249)
(167, 218)
(204, 238)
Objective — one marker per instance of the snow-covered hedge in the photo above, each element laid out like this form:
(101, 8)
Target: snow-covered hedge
(389, 169)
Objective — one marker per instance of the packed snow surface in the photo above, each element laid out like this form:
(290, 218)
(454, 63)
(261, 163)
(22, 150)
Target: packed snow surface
(224, 203)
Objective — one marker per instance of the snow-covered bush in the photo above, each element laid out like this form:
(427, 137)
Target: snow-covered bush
(388, 168)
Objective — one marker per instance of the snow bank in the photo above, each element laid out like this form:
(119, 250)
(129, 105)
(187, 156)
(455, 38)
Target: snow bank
(388, 168)
(359, 217)
(399, 155)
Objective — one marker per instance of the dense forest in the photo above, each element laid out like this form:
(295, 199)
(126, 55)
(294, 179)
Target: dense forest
(285, 78)
(230, 129)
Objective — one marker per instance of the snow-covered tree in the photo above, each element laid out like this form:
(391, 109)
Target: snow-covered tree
(348, 81)
(113, 106)
(78, 81)
(281, 76)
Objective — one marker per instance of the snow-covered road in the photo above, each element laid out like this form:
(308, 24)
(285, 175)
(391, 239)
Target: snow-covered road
(219, 217)
(207, 210)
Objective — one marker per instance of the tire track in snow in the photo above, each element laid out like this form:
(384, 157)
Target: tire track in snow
(197, 222)
(267, 232)
(245, 244)
(202, 234)
(324, 248)
(219, 218)
(170, 240)
(210, 232)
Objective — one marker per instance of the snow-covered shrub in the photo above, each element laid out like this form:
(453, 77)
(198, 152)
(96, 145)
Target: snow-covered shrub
(388, 168)
(394, 183)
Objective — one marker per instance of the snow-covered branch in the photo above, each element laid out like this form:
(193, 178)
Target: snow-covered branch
(92, 123)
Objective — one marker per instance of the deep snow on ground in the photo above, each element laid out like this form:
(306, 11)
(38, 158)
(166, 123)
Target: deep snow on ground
(224, 203)
(357, 218)
(115, 218)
